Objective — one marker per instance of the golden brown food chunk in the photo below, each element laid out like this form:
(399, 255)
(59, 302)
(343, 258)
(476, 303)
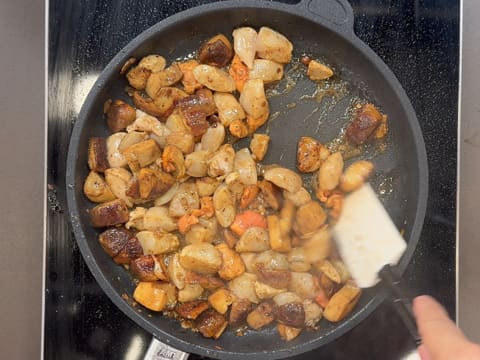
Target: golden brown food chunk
(96, 189)
(284, 178)
(310, 154)
(208, 282)
(120, 115)
(232, 264)
(239, 311)
(211, 324)
(141, 154)
(162, 79)
(317, 71)
(155, 242)
(113, 240)
(262, 315)
(110, 213)
(202, 258)
(190, 84)
(329, 173)
(288, 333)
(259, 146)
(291, 314)
(309, 217)
(217, 51)
(191, 309)
(137, 77)
(342, 302)
(143, 102)
(220, 300)
(149, 268)
(153, 183)
(279, 241)
(150, 295)
(272, 45)
(131, 250)
(364, 123)
(214, 78)
(355, 175)
(167, 98)
(97, 154)
(278, 279)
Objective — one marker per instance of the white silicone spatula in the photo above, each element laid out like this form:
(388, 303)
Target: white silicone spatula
(369, 244)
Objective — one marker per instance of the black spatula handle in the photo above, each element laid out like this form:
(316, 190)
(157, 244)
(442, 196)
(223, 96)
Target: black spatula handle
(401, 301)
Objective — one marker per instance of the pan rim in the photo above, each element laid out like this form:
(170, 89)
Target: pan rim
(110, 70)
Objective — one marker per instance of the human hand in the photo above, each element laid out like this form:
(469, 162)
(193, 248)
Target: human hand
(441, 338)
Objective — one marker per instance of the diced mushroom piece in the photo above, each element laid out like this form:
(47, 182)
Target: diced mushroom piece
(239, 311)
(192, 309)
(243, 287)
(330, 172)
(208, 282)
(149, 124)
(113, 240)
(313, 313)
(161, 79)
(271, 194)
(118, 179)
(297, 260)
(245, 166)
(155, 243)
(109, 213)
(157, 218)
(317, 247)
(262, 315)
(114, 156)
(211, 324)
(96, 189)
(278, 279)
(185, 200)
(309, 218)
(153, 183)
(203, 258)
(190, 84)
(214, 78)
(253, 99)
(284, 178)
(131, 250)
(327, 286)
(171, 292)
(148, 268)
(173, 161)
(259, 146)
(221, 162)
(153, 62)
(290, 314)
(272, 45)
(141, 154)
(224, 203)
(150, 295)
(318, 71)
(299, 198)
(190, 292)
(342, 302)
(220, 300)
(265, 291)
(97, 154)
(127, 65)
(229, 109)
(266, 70)
(279, 241)
(255, 239)
(176, 122)
(132, 137)
(303, 284)
(120, 115)
(355, 175)
(288, 333)
(232, 264)
(310, 154)
(364, 123)
(144, 103)
(137, 77)
(184, 141)
(166, 99)
(213, 138)
(195, 108)
(217, 51)
(327, 268)
(245, 44)
(176, 272)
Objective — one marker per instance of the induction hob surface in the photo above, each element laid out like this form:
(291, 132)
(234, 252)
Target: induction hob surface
(418, 40)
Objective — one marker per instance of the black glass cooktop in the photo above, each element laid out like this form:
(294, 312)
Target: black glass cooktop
(419, 41)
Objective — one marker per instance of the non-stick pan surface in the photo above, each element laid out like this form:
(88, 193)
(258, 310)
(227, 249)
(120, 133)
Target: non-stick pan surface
(323, 29)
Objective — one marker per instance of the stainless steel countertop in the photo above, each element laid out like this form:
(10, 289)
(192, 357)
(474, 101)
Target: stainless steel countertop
(22, 140)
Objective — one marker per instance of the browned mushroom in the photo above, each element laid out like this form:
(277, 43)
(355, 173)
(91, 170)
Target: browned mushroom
(191, 309)
(211, 324)
(110, 213)
(97, 154)
(217, 51)
(120, 115)
(262, 315)
(366, 120)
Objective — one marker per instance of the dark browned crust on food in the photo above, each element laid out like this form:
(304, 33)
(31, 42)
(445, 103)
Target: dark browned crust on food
(191, 309)
(366, 120)
(216, 52)
(291, 314)
(97, 154)
(113, 240)
(120, 115)
(110, 213)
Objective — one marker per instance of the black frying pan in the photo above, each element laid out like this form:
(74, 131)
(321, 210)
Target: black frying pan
(321, 28)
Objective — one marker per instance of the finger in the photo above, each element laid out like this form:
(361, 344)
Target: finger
(440, 335)
(423, 352)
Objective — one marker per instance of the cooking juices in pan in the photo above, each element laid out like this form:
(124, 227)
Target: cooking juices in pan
(213, 236)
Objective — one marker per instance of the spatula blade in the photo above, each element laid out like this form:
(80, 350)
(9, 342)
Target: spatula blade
(366, 237)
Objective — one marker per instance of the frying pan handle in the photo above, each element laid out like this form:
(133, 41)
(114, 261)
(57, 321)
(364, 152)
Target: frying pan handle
(161, 351)
(338, 13)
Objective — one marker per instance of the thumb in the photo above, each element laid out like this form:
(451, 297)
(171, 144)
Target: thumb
(442, 340)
